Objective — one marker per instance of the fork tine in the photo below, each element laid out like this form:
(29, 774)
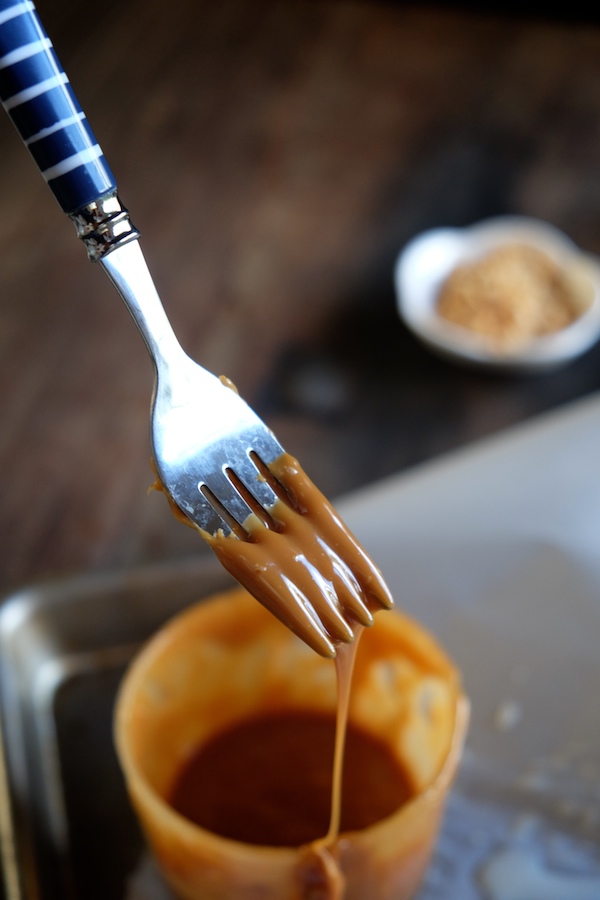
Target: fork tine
(325, 601)
(251, 478)
(348, 589)
(227, 494)
(240, 489)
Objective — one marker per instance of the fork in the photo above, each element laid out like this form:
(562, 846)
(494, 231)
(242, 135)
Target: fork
(211, 452)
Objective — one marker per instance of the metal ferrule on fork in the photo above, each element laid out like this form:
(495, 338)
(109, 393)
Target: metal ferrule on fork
(103, 225)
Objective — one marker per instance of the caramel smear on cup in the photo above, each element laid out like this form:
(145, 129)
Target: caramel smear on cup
(302, 563)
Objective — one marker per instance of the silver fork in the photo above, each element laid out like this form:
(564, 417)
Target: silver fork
(204, 436)
(210, 449)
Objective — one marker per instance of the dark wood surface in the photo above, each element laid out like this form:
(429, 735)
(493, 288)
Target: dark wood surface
(276, 157)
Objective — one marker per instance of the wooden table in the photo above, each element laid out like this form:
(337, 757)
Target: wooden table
(276, 157)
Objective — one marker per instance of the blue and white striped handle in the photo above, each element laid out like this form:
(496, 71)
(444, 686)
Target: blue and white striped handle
(36, 94)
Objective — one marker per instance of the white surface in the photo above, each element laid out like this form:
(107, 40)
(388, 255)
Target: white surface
(428, 259)
(497, 550)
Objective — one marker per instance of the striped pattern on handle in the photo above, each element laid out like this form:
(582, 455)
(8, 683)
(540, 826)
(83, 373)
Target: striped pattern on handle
(37, 95)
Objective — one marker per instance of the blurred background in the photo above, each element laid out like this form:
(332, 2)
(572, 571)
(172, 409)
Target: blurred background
(276, 156)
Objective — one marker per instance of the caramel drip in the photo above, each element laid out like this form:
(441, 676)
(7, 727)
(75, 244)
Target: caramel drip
(344, 664)
(321, 855)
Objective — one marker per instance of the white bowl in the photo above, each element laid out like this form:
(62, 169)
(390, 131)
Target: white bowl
(428, 259)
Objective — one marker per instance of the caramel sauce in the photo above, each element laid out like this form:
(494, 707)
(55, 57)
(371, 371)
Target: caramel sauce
(267, 780)
(279, 780)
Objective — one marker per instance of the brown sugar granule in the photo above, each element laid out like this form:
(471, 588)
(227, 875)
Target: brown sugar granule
(509, 297)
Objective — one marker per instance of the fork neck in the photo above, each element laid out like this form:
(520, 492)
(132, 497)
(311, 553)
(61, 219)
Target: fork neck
(127, 269)
(112, 240)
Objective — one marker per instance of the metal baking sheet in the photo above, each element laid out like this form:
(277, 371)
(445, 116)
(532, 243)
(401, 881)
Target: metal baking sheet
(495, 548)
(63, 650)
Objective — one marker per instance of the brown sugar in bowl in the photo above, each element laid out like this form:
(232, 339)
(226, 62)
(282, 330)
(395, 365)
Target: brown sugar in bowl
(512, 294)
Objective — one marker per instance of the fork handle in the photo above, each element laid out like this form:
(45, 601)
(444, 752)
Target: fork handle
(37, 95)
